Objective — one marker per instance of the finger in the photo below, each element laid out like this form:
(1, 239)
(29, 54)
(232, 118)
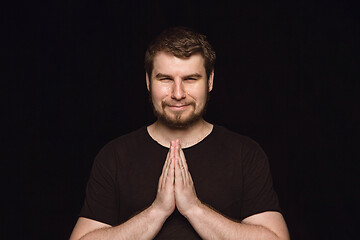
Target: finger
(166, 163)
(179, 162)
(179, 179)
(161, 179)
(160, 184)
(184, 164)
(166, 168)
(172, 148)
(190, 179)
(170, 177)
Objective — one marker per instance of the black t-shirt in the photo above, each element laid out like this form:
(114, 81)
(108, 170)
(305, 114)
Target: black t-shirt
(230, 173)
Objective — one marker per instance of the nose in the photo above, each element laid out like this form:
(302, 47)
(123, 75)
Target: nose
(178, 91)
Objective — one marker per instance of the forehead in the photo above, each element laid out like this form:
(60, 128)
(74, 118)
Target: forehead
(167, 63)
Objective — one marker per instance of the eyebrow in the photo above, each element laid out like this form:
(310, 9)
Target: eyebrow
(161, 75)
(194, 75)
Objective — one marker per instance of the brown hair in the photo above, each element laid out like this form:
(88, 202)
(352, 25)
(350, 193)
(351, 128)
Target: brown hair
(182, 42)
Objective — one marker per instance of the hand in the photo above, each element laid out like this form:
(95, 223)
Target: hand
(185, 195)
(165, 198)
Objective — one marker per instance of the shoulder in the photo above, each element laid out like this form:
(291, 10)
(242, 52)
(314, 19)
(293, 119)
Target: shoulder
(231, 138)
(124, 141)
(115, 149)
(236, 144)
(131, 136)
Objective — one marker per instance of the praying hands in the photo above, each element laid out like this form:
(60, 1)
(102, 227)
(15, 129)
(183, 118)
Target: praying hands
(176, 187)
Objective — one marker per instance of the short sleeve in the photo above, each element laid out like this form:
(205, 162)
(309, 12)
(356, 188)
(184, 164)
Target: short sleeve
(258, 195)
(101, 199)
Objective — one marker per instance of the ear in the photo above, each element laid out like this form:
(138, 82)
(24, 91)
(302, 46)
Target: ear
(147, 82)
(211, 80)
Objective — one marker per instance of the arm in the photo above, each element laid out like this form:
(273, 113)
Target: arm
(211, 225)
(144, 225)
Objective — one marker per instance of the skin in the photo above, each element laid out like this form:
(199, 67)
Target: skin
(179, 98)
(179, 91)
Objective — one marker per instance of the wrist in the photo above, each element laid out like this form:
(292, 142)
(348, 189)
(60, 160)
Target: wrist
(157, 212)
(195, 211)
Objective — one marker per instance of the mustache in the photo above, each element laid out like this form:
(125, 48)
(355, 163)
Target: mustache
(170, 104)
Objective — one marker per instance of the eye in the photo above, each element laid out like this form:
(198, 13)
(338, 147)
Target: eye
(165, 79)
(190, 79)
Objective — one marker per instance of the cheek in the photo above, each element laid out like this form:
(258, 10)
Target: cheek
(199, 94)
(165, 91)
(159, 93)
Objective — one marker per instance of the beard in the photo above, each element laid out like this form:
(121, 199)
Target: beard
(180, 119)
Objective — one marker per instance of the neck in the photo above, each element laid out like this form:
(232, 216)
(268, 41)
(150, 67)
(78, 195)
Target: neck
(188, 136)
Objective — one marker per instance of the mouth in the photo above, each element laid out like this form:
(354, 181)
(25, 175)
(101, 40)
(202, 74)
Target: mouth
(178, 107)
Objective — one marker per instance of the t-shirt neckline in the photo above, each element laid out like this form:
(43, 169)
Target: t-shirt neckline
(209, 136)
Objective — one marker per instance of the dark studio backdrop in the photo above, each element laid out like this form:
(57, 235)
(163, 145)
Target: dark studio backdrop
(286, 75)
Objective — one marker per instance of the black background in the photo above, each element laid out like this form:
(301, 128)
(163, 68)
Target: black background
(286, 75)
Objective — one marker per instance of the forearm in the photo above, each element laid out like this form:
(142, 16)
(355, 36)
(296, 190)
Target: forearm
(211, 225)
(144, 225)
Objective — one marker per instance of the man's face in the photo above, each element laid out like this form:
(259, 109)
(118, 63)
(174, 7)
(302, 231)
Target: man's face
(179, 89)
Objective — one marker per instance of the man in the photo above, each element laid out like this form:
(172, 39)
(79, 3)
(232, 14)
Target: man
(213, 184)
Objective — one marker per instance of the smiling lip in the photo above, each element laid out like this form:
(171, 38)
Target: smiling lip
(178, 107)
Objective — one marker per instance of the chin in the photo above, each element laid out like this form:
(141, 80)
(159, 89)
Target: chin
(179, 122)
